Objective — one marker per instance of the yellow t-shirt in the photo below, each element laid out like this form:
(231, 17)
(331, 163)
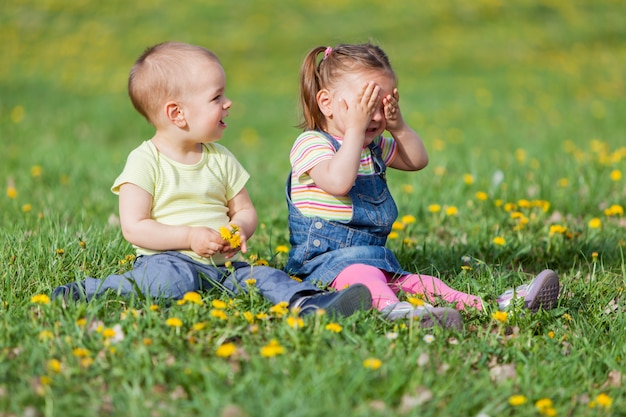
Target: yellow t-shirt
(186, 195)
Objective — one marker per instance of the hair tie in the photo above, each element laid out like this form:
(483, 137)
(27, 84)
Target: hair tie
(328, 51)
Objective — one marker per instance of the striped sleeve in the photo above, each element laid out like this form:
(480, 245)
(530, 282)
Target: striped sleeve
(389, 148)
(309, 149)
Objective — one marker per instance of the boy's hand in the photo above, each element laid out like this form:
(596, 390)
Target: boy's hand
(205, 242)
(391, 108)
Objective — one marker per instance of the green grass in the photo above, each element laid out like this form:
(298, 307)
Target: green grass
(528, 90)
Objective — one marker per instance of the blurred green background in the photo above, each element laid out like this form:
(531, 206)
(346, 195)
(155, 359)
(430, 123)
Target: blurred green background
(478, 79)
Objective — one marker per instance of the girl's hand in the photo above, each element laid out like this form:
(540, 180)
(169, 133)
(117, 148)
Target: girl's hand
(358, 114)
(391, 108)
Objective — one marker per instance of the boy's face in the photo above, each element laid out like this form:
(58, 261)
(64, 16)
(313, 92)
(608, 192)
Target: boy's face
(205, 105)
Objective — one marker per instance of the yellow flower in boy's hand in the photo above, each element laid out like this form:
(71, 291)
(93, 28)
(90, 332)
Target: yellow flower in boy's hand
(231, 235)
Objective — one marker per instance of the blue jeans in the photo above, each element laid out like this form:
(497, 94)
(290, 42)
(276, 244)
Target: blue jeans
(172, 274)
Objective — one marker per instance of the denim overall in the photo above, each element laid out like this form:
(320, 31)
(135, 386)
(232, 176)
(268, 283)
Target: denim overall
(321, 249)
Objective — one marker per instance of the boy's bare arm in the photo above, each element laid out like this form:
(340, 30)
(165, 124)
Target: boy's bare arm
(140, 229)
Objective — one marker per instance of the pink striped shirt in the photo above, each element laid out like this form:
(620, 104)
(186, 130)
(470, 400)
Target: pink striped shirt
(311, 148)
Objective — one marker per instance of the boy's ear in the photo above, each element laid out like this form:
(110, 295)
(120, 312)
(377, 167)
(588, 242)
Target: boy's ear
(325, 102)
(174, 114)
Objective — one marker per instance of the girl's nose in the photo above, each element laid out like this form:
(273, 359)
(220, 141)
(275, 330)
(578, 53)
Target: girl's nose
(377, 116)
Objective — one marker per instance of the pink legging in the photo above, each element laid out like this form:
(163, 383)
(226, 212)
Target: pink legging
(384, 286)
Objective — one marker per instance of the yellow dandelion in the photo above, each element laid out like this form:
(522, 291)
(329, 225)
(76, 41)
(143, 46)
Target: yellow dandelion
(523, 203)
(416, 301)
(517, 400)
(295, 322)
(482, 196)
(282, 249)
(174, 322)
(562, 182)
(40, 299)
(595, 223)
(614, 210)
(499, 241)
(440, 171)
(372, 363)
(397, 225)
(81, 322)
(226, 350)
(26, 208)
(601, 400)
(193, 297)
(500, 316)
(219, 314)
(334, 327)
(543, 404)
(54, 365)
(250, 282)
(510, 207)
(36, 170)
(273, 348)
(551, 334)
(393, 235)
(452, 211)
(262, 316)
(295, 278)
(408, 219)
(567, 317)
(248, 316)
(261, 262)
(407, 188)
(60, 251)
(231, 235)
(81, 352)
(468, 179)
(557, 229)
(280, 309)
(154, 307)
(146, 341)
(45, 335)
(434, 208)
(616, 175)
(86, 362)
(44, 380)
(11, 192)
(199, 326)
(108, 332)
(219, 304)
(520, 155)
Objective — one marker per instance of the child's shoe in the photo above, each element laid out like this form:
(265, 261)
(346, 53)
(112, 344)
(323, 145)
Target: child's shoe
(428, 315)
(541, 292)
(342, 303)
(72, 291)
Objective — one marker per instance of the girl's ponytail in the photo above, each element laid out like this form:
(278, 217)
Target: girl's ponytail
(309, 87)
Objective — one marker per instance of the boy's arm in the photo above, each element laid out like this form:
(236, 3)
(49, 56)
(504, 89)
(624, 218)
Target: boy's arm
(242, 213)
(141, 230)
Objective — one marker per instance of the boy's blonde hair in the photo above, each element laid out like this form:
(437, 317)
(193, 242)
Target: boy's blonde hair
(162, 72)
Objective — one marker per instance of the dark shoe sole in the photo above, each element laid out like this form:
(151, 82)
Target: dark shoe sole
(544, 291)
(355, 298)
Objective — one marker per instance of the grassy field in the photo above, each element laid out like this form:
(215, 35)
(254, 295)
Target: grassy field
(521, 106)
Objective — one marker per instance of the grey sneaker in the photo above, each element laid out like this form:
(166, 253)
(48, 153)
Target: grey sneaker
(428, 315)
(541, 292)
(346, 302)
(73, 291)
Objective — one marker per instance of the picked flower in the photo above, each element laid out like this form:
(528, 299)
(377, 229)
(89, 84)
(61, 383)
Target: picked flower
(231, 235)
